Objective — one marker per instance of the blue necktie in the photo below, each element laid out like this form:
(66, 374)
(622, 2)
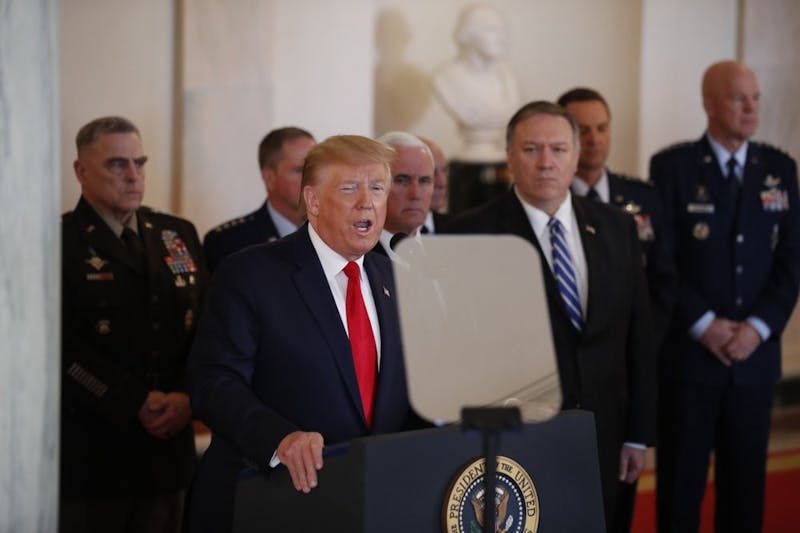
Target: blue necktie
(565, 273)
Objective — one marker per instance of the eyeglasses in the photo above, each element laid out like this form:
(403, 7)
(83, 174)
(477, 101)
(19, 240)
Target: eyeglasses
(119, 165)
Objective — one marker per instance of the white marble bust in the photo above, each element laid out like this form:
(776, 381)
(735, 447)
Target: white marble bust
(478, 87)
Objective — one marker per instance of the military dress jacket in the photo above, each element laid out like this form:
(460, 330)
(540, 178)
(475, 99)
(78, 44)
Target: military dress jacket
(238, 233)
(737, 253)
(641, 200)
(126, 330)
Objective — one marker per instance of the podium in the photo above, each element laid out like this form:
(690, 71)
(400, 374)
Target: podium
(415, 481)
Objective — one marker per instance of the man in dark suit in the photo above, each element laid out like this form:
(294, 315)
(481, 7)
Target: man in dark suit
(436, 219)
(637, 198)
(733, 220)
(280, 157)
(132, 284)
(596, 292)
(281, 366)
(411, 191)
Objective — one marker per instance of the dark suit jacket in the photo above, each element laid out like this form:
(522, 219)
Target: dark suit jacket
(609, 368)
(235, 234)
(126, 329)
(273, 357)
(737, 261)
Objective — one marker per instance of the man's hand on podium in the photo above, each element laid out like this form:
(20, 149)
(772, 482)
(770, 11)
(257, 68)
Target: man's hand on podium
(301, 453)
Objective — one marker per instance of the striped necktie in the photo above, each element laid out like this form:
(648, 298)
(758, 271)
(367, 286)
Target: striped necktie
(564, 273)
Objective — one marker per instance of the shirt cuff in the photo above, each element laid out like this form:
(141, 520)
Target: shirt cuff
(699, 328)
(635, 445)
(760, 326)
(274, 461)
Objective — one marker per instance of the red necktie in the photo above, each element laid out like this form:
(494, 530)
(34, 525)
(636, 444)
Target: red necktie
(362, 341)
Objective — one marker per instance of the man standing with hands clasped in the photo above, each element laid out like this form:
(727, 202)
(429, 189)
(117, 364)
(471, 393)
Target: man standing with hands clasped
(733, 221)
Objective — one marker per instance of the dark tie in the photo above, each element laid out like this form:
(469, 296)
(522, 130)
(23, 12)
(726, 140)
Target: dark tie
(593, 195)
(424, 229)
(134, 245)
(732, 182)
(362, 341)
(565, 273)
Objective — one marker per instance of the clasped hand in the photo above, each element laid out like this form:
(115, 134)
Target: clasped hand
(164, 415)
(730, 341)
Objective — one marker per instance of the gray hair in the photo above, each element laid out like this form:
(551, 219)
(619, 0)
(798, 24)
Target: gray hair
(395, 139)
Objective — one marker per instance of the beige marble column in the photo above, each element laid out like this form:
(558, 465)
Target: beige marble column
(29, 267)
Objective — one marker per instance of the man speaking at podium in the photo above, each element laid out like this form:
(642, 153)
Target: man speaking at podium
(594, 280)
(299, 346)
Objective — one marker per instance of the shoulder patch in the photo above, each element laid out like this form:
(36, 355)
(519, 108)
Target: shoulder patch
(771, 148)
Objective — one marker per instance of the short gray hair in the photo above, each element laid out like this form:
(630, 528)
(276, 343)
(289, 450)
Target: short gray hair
(395, 139)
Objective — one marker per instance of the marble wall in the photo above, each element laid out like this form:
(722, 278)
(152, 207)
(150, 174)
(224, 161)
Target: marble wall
(29, 272)
(770, 41)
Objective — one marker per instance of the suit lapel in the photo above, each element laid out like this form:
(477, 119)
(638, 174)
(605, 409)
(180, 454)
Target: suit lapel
(313, 288)
(391, 363)
(594, 250)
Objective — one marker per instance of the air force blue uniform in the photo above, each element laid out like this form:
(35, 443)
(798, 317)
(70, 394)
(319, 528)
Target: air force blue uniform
(238, 233)
(738, 255)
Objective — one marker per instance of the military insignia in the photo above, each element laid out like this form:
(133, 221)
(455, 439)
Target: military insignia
(773, 200)
(90, 228)
(188, 320)
(701, 193)
(771, 181)
(100, 276)
(148, 225)
(632, 207)
(179, 260)
(95, 261)
(515, 498)
(707, 159)
(701, 231)
(707, 209)
(644, 227)
(179, 281)
(192, 280)
(386, 292)
(590, 229)
(103, 326)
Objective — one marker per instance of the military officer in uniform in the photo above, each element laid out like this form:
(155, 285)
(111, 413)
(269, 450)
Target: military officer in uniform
(638, 198)
(281, 154)
(132, 285)
(732, 217)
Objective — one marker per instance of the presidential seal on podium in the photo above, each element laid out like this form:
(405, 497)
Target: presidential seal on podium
(515, 498)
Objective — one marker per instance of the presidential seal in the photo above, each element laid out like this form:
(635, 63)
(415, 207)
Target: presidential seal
(515, 499)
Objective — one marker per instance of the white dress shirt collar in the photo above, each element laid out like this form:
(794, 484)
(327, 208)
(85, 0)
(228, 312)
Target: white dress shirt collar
(283, 225)
(581, 188)
(722, 155)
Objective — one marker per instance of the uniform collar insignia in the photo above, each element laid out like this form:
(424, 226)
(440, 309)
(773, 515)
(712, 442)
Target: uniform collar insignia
(96, 262)
(590, 229)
